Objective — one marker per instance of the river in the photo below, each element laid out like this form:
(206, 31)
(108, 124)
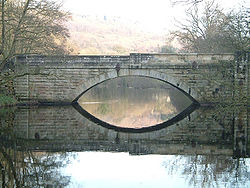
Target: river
(58, 146)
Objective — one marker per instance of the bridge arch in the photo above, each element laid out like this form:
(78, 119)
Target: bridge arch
(112, 73)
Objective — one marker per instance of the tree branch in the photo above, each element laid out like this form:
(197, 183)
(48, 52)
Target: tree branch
(6, 79)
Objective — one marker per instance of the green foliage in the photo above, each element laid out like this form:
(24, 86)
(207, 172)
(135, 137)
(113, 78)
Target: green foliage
(103, 109)
(5, 112)
(168, 49)
(7, 100)
(230, 94)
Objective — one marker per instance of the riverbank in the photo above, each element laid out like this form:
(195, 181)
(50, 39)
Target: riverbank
(6, 101)
(10, 101)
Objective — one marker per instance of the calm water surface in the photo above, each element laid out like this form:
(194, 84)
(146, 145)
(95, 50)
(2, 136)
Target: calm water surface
(98, 169)
(134, 102)
(59, 147)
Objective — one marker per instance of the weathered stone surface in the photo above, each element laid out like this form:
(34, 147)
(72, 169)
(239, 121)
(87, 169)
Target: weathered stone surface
(66, 77)
(63, 128)
(65, 123)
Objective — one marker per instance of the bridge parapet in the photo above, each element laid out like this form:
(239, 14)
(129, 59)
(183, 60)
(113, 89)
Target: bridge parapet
(87, 60)
(180, 58)
(133, 58)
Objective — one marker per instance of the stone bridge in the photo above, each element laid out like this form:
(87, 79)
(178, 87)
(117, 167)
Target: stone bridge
(204, 77)
(64, 78)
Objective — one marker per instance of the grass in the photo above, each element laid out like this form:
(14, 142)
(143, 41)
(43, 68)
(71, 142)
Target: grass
(7, 100)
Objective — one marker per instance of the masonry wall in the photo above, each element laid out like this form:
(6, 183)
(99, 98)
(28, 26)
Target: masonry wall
(63, 128)
(208, 131)
(62, 79)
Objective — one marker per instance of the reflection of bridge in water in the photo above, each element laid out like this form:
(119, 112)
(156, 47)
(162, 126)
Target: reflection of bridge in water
(211, 132)
(64, 129)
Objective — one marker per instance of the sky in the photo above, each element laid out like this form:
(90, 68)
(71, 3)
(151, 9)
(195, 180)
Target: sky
(153, 15)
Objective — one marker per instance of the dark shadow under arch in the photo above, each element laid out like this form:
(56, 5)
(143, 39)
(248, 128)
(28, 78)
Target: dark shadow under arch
(185, 93)
(154, 74)
(165, 124)
(171, 121)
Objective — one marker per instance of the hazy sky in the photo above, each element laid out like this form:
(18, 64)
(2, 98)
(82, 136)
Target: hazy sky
(153, 14)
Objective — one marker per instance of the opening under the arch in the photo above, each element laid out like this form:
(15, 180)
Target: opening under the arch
(134, 102)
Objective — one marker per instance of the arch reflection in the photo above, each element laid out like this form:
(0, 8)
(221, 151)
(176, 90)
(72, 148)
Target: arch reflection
(135, 104)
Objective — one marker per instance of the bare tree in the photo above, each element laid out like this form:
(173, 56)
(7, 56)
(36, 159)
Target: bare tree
(209, 170)
(32, 169)
(31, 26)
(209, 29)
(185, 2)
(238, 29)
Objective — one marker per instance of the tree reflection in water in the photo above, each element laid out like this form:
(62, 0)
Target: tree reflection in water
(134, 102)
(32, 169)
(228, 129)
(20, 167)
(209, 170)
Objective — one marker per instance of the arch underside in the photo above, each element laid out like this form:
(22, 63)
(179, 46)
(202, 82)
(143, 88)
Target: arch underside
(142, 73)
(183, 87)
